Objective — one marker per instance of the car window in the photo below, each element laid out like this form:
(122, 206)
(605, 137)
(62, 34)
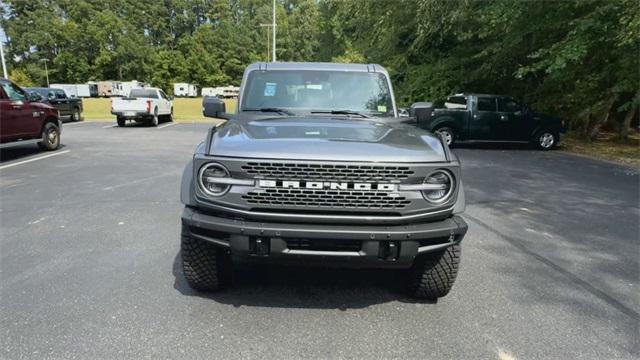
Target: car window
(163, 95)
(486, 104)
(508, 105)
(60, 94)
(143, 93)
(13, 92)
(456, 102)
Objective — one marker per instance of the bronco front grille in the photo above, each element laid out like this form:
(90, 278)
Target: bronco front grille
(284, 171)
(336, 199)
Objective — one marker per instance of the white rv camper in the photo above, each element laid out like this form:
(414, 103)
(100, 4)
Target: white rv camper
(127, 86)
(82, 90)
(69, 89)
(185, 90)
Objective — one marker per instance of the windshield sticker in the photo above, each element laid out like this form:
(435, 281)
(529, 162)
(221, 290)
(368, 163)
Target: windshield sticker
(270, 89)
(382, 108)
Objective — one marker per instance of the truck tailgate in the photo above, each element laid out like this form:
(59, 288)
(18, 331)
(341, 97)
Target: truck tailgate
(130, 105)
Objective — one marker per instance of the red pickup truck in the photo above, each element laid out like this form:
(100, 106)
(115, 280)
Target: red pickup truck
(25, 119)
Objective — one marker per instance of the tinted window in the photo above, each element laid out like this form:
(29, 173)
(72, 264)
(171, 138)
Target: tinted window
(486, 104)
(13, 91)
(307, 90)
(60, 94)
(508, 105)
(144, 93)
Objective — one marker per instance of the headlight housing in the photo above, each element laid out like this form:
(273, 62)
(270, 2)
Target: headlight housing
(208, 176)
(443, 187)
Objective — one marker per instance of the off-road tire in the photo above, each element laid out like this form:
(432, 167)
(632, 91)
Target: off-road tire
(50, 137)
(206, 267)
(121, 121)
(451, 137)
(75, 116)
(541, 144)
(433, 275)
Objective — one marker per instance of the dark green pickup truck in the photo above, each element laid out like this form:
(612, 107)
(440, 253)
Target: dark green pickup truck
(479, 117)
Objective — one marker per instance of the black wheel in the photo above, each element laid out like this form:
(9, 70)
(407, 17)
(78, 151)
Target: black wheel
(432, 276)
(120, 121)
(75, 116)
(154, 118)
(448, 134)
(206, 267)
(170, 116)
(50, 137)
(546, 139)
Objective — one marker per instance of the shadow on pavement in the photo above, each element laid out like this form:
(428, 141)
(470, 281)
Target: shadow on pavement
(264, 285)
(21, 151)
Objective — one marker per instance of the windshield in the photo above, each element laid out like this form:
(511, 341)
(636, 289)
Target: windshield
(143, 93)
(305, 91)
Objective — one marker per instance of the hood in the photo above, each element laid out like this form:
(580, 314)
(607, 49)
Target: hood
(326, 138)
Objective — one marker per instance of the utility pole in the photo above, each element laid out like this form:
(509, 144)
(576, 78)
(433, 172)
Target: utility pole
(268, 46)
(274, 32)
(46, 71)
(4, 65)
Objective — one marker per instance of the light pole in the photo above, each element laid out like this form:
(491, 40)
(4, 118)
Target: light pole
(274, 31)
(46, 71)
(4, 65)
(268, 46)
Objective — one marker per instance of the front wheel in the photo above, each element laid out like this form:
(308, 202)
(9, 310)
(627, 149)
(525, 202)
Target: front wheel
(206, 267)
(448, 134)
(433, 275)
(546, 140)
(75, 116)
(121, 121)
(50, 137)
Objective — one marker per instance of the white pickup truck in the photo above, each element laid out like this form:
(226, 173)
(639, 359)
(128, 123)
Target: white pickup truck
(143, 105)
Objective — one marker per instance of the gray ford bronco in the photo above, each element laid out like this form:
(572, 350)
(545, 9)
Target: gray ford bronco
(316, 167)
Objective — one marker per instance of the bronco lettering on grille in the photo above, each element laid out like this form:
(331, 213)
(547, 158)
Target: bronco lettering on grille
(331, 185)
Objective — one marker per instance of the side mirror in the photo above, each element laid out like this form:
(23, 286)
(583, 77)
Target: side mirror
(421, 111)
(34, 97)
(170, 98)
(213, 107)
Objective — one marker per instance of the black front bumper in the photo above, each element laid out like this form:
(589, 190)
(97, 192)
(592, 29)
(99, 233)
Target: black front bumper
(345, 245)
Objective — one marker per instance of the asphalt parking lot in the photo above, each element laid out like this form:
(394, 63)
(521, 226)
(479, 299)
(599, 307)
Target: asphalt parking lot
(89, 264)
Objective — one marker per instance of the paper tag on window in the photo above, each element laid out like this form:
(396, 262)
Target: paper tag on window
(270, 89)
(382, 108)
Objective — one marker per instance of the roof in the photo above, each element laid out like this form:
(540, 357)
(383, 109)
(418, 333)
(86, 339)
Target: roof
(316, 66)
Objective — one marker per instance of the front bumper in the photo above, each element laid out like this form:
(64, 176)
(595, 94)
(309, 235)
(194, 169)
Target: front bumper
(376, 246)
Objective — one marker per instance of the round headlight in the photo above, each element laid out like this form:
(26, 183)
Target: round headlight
(443, 191)
(207, 179)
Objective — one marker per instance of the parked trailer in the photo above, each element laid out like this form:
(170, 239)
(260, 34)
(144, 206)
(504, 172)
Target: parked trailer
(185, 90)
(226, 92)
(105, 88)
(69, 89)
(83, 90)
(93, 88)
(118, 90)
(127, 86)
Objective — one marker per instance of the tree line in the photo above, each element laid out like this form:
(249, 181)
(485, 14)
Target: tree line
(578, 59)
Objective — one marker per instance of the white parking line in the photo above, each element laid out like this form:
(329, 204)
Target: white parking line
(166, 125)
(109, 126)
(73, 123)
(34, 159)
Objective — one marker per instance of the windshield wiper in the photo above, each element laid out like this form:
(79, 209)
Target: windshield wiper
(272, 109)
(340, 112)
